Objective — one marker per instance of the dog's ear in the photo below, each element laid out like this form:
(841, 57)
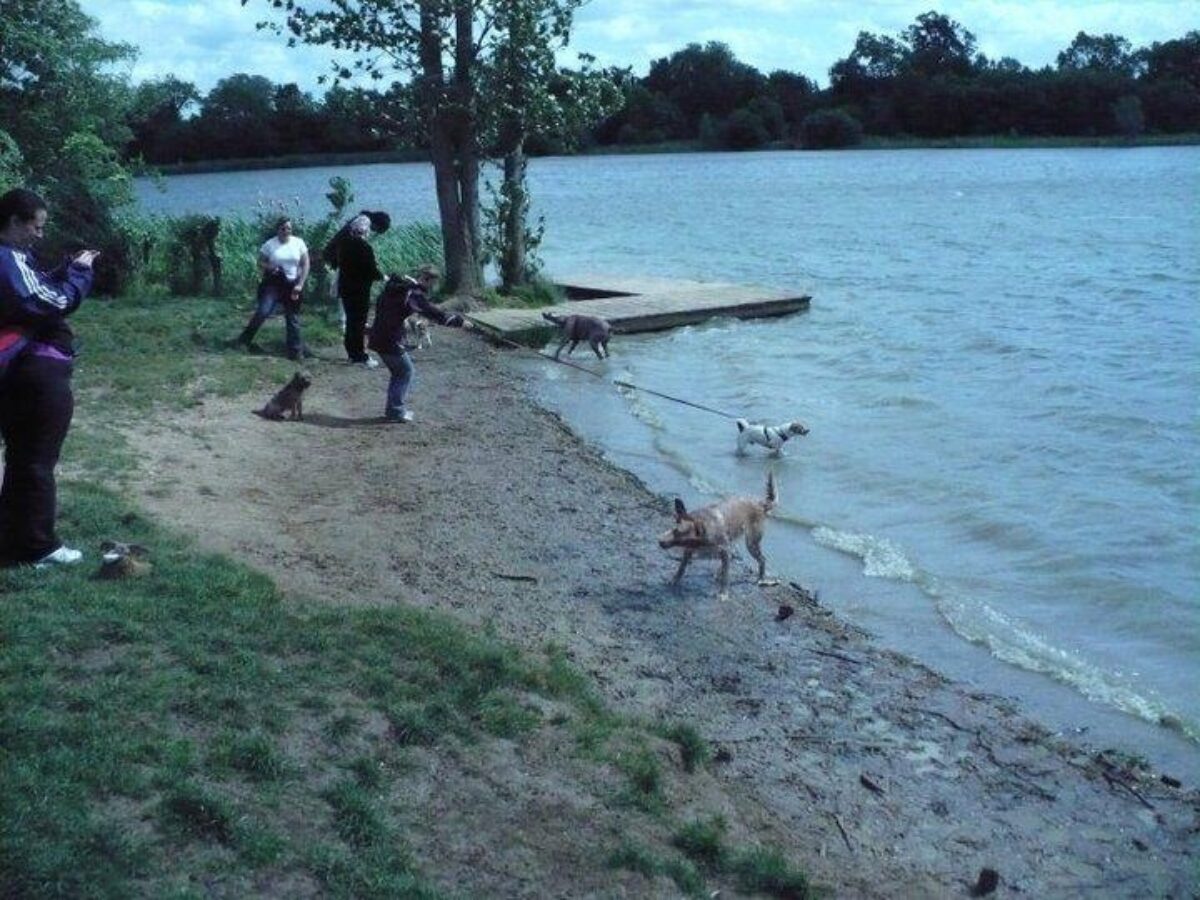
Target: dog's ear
(681, 512)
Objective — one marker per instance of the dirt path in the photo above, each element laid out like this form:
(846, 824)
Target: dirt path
(879, 776)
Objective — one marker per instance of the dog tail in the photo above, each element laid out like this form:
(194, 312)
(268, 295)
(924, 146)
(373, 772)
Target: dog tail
(551, 317)
(769, 502)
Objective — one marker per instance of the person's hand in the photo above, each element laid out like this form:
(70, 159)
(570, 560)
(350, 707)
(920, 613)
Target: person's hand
(85, 258)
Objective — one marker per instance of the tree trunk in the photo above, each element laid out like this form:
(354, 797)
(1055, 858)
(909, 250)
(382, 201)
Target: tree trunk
(456, 192)
(452, 140)
(515, 205)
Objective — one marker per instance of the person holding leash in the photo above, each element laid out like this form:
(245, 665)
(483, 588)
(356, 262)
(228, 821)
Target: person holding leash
(36, 402)
(283, 261)
(400, 298)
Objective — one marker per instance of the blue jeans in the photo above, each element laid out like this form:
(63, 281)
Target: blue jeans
(272, 294)
(402, 369)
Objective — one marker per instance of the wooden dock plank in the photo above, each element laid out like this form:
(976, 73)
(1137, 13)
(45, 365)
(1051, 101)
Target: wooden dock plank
(646, 304)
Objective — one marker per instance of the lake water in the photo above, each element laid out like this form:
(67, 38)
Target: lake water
(999, 370)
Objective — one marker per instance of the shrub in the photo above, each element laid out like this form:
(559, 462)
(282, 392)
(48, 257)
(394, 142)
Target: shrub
(829, 129)
(744, 130)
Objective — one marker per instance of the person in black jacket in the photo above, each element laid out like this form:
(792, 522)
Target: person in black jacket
(357, 271)
(400, 298)
(331, 252)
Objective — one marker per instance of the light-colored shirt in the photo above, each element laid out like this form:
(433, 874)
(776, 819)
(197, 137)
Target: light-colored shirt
(286, 256)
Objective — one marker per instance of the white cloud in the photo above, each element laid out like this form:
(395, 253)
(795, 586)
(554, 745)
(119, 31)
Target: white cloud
(206, 41)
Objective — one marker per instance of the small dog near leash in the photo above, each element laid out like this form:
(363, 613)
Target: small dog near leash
(289, 401)
(575, 328)
(773, 437)
(710, 530)
(416, 327)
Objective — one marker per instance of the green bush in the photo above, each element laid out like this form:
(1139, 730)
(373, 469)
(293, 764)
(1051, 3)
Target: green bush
(829, 129)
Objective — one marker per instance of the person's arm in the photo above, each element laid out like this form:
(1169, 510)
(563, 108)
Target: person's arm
(376, 275)
(418, 299)
(301, 275)
(29, 296)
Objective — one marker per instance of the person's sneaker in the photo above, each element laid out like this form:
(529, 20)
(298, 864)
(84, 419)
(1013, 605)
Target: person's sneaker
(371, 362)
(63, 556)
(405, 416)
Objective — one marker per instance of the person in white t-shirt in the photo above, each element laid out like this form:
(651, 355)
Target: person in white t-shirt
(283, 261)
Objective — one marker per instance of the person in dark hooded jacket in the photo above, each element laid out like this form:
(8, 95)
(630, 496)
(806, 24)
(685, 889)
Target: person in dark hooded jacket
(400, 298)
(36, 402)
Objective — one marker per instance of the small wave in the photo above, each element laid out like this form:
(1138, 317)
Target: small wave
(1004, 638)
(1015, 644)
(881, 558)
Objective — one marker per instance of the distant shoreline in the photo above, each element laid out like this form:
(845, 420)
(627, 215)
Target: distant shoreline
(966, 142)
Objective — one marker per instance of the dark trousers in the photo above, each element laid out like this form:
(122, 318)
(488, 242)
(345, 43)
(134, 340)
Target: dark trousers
(274, 293)
(357, 305)
(36, 405)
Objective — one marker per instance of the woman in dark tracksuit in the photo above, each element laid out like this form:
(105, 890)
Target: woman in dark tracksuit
(36, 403)
(399, 299)
(357, 271)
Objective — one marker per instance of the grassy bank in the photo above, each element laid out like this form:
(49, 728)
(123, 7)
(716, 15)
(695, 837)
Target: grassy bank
(870, 142)
(294, 161)
(191, 733)
(1013, 142)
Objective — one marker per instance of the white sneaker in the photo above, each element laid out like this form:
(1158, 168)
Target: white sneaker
(406, 416)
(63, 556)
(371, 363)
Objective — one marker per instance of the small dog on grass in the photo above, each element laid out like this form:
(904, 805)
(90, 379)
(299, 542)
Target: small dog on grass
(575, 328)
(289, 401)
(416, 327)
(773, 437)
(123, 560)
(710, 530)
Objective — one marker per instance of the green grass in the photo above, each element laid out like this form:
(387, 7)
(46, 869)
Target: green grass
(174, 708)
(189, 728)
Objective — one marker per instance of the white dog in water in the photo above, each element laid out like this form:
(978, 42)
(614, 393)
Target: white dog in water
(773, 437)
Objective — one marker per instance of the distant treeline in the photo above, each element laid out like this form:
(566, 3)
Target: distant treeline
(929, 82)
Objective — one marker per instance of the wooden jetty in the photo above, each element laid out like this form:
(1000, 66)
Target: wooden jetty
(643, 304)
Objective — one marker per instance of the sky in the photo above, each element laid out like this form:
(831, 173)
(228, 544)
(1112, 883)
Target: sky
(203, 41)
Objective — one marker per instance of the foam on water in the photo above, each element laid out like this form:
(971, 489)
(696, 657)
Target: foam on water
(881, 558)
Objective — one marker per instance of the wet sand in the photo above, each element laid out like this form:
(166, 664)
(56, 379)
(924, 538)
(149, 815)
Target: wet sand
(878, 775)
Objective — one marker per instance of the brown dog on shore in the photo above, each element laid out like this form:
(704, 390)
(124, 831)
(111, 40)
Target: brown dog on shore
(289, 400)
(575, 328)
(710, 530)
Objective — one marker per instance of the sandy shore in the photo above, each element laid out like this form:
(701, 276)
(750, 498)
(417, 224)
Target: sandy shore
(878, 775)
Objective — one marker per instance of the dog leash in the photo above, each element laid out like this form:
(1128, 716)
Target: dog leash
(619, 383)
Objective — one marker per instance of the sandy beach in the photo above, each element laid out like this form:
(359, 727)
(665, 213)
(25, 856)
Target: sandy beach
(879, 776)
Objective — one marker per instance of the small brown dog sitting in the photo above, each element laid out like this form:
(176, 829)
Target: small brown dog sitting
(289, 399)
(709, 532)
(123, 560)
